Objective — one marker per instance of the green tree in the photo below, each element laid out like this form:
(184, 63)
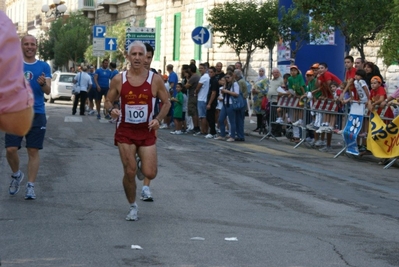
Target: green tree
(245, 26)
(67, 39)
(360, 21)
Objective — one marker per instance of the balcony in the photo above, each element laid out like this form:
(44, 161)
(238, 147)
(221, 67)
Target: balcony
(88, 7)
(34, 24)
(110, 6)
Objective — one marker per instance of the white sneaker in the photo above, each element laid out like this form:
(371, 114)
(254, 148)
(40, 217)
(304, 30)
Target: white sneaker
(146, 194)
(320, 143)
(15, 183)
(209, 136)
(309, 140)
(325, 149)
(178, 132)
(132, 215)
(163, 126)
(173, 132)
(30, 191)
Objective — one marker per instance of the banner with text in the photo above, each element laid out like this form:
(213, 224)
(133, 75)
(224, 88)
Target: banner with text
(383, 139)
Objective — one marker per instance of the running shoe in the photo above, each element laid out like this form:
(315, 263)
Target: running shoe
(209, 136)
(30, 191)
(15, 183)
(320, 143)
(91, 112)
(325, 149)
(132, 215)
(139, 173)
(98, 117)
(146, 194)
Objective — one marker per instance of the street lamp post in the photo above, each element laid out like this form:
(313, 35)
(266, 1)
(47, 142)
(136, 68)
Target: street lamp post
(56, 10)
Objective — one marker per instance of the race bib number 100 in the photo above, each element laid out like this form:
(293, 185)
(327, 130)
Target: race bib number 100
(136, 113)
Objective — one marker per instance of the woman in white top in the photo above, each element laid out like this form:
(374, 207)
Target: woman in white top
(232, 90)
(84, 82)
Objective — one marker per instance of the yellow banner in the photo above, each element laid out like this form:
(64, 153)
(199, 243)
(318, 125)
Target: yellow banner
(383, 139)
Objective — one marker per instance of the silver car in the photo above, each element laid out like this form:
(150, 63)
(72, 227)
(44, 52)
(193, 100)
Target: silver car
(61, 86)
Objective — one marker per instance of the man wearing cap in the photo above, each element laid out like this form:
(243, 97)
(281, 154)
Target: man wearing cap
(296, 83)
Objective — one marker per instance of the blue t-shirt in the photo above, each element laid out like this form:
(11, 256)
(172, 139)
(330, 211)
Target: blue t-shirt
(173, 79)
(93, 86)
(103, 76)
(113, 74)
(32, 71)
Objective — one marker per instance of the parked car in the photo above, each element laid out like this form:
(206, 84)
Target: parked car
(61, 86)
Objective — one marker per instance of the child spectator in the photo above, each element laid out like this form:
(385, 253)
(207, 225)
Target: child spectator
(178, 109)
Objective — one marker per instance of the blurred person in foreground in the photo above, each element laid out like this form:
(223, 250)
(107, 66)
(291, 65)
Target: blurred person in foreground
(16, 99)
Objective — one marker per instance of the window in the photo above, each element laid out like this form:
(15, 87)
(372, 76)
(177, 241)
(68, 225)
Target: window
(199, 20)
(176, 36)
(158, 25)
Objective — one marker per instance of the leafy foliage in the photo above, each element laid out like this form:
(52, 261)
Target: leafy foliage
(359, 20)
(67, 39)
(389, 49)
(246, 26)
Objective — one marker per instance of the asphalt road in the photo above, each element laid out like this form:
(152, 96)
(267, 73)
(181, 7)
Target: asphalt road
(283, 206)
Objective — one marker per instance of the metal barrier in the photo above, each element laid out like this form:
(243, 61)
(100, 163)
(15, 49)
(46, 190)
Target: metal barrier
(294, 109)
(291, 107)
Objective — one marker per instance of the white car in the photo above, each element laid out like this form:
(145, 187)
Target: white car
(61, 86)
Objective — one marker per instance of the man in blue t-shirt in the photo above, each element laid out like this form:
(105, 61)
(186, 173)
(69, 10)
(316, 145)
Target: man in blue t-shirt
(101, 79)
(39, 76)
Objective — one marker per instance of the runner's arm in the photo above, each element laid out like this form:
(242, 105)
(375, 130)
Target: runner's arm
(112, 95)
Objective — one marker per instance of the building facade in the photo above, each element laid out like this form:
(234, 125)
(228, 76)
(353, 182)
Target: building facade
(174, 21)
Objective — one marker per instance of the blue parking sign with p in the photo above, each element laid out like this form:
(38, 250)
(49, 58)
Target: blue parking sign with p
(99, 31)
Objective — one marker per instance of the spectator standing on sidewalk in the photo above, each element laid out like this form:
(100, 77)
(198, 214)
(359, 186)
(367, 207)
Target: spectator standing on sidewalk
(39, 75)
(211, 103)
(84, 82)
(240, 114)
(201, 92)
